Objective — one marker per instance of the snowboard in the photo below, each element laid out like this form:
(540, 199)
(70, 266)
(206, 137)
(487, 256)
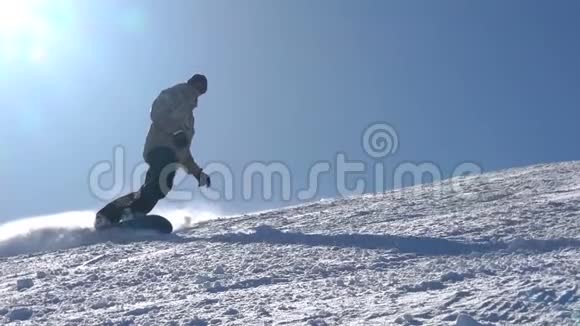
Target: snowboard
(148, 222)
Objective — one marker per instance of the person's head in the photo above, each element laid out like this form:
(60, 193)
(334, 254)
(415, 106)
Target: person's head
(199, 82)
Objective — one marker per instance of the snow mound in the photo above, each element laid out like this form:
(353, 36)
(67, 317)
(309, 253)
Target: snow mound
(502, 251)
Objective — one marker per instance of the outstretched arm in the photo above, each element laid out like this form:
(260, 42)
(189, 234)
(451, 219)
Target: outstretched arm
(193, 168)
(190, 165)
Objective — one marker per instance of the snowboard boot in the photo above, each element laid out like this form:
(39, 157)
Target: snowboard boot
(128, 215)
(103, 222)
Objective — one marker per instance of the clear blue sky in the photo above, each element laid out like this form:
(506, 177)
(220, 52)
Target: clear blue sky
(494, 82)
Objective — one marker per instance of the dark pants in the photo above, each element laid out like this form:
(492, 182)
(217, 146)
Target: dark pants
(158, 182)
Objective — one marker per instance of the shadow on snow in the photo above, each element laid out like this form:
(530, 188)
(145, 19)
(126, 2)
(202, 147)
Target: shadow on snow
(405, 244)
(53, 239)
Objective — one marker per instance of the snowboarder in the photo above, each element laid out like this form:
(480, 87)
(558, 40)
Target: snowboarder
(166, 148)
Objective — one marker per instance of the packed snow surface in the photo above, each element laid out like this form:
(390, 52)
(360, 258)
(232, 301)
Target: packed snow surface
(498, 249)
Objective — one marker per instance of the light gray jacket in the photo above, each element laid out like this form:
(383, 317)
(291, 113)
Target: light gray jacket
(171, 112)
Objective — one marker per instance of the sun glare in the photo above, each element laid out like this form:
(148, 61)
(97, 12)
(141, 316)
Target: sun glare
(26, 30)
(14, 14)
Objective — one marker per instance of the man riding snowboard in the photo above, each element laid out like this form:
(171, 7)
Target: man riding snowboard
(166, 148)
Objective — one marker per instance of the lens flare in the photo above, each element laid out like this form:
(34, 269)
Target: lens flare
(133, 20)
(38, 54)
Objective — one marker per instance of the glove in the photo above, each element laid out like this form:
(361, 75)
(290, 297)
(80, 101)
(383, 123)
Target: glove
(204, 180)
(180, 139)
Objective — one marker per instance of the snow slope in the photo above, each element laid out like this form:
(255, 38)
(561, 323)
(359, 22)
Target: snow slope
(504, 249)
